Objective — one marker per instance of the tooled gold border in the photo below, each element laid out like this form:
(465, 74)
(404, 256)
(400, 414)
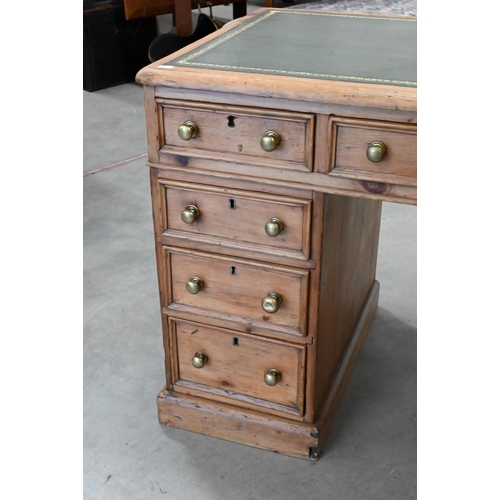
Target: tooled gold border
(187, 60)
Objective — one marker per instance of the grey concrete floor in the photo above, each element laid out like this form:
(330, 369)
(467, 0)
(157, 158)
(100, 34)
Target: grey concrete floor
(371, 450)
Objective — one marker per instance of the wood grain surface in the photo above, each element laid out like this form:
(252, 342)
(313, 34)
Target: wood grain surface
(351, 139)
(230, 131)
(237, 363)
(224, 214)
(239, 292)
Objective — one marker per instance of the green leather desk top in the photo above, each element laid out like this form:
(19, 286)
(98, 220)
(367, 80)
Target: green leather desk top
(325, 46)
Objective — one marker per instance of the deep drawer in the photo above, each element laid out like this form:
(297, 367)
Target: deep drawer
(222, 364)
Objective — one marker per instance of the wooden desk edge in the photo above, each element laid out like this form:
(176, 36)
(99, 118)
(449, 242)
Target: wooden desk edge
(274, 86)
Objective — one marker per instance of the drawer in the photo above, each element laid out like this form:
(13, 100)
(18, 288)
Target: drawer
(223, 364)
(234, 289)
(239, 219)
(393, 149)
(234, 134)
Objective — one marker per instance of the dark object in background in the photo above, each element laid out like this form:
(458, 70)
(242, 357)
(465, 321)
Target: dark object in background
(114, 49)
(168, 43)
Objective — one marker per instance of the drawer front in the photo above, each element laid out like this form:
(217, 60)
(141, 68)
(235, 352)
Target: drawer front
(234, 289)
(241, 219)
(234, 133)
(234, 365)
(395, 144)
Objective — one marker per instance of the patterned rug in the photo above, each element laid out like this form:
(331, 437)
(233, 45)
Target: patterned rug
(390, 7)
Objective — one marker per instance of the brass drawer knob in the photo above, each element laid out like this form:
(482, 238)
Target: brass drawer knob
(376, 151)
(194, 285)
(190, 214)
(199, 360)
(270, 141)
(187, 130)
(274, 226)
(272, 377)
(272, 302)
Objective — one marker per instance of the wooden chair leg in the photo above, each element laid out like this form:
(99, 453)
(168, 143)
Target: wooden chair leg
(184, 23)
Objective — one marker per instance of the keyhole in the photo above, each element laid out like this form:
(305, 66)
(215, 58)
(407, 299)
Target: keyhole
(230, 121)
(235, 342)
(233, 271)
(232, 204)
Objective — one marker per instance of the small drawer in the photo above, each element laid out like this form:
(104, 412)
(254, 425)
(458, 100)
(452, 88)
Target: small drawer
(238, 134)
(225, 365)
(381, 150)
(240, 220)
(253, 293)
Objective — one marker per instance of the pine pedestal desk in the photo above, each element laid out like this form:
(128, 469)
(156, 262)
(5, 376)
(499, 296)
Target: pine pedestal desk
(272, 144)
